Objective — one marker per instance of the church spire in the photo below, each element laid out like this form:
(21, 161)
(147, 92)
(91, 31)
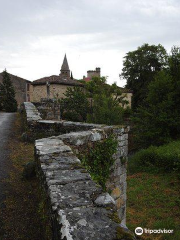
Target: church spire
(65, 65)
(65, 71)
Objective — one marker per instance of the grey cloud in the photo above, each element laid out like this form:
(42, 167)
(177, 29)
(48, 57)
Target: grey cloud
(116, 25)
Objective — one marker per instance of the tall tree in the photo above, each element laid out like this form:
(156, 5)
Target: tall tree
(159, 121)
(75, 105)
(140, 67)
(7, 94)
(108, 102)
(97, 102)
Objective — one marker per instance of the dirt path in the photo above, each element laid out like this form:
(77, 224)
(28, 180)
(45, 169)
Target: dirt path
(6, 123)
(6, 120)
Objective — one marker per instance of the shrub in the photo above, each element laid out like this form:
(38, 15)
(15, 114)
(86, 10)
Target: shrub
(165, 158)
(99, 159)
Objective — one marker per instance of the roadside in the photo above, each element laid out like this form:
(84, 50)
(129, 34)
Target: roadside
(6, 122)
(23, 216)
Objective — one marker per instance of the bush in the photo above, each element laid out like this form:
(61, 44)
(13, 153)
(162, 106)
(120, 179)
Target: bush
(99, 159)
(165, 158)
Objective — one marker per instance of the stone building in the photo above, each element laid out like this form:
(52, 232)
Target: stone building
(53, 86)
(91, 74)
(21, 87)
(97, 73)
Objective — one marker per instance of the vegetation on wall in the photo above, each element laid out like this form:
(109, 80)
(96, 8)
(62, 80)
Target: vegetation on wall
(99, 159)
(7, 94)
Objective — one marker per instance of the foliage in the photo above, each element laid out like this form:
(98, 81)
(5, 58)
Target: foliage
(106, 111)
(165, 158)
(7, 94)
(97, 102)
(99, 159)
(107, 102)
(140, 67)
(158, 121)
(75, 105)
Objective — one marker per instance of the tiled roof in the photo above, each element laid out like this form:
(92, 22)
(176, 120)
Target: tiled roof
(13, 77)
(57, 80)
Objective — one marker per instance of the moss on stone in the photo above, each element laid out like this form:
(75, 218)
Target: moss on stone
(76, 166)
(125, 235)
(114, 217)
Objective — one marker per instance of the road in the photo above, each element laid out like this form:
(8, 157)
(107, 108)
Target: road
(6, 122)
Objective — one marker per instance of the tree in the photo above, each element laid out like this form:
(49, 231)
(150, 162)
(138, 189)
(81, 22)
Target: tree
(97, 102)
(139, 69)
(7, 94)
(106, 110)
(157, 122)
(108, 102)
(75, 105)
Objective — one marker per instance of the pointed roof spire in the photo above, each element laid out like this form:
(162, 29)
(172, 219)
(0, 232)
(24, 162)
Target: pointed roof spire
(65, 65)
(71, 75)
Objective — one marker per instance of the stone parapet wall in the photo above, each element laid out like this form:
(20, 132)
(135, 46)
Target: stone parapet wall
(78, 205)
(49, 109)
(79, 208)
(32, 114)
(116, 184)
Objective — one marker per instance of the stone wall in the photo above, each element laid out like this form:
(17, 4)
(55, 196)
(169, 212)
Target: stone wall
(49, 109)
(80, 141)
(79, 209)
(40, 91)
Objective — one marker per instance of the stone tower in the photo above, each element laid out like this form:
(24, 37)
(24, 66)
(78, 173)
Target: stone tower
(65, 72)
(92, 73)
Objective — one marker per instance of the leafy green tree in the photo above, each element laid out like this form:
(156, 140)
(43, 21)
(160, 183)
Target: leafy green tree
(140, 67)
(106, 111)
(7, 94)
(75, 105)
(174, 71)
(97, 102)
(158, 122)
(107, 102)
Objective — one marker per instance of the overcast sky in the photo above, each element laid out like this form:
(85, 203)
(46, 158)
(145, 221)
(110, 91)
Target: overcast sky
(35, 34)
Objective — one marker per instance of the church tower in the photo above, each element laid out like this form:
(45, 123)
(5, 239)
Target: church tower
(65, 72)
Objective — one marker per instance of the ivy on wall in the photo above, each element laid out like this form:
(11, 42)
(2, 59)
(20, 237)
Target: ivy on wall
(99, 159)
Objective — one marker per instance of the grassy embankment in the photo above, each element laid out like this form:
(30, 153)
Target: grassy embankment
(154, 193)
(24, 217)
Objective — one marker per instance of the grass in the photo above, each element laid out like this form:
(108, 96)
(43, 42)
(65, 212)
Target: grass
(153, 202)
(23, 217)
(164, 158)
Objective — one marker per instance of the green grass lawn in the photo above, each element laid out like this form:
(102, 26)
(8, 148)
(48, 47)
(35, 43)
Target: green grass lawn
(154, 203)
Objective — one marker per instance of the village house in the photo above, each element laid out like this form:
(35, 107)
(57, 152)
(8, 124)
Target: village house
(21, 87)
(53, 86)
